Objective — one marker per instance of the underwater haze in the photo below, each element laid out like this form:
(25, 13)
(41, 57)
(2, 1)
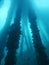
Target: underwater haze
(24, 32)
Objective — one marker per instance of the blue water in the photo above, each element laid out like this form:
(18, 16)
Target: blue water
(41, 9)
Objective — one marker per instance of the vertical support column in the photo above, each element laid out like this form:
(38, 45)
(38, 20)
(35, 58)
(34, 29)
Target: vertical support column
(39, 48)
(13, 39)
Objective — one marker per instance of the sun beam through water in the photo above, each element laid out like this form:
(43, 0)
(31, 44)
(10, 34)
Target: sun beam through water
(4, 12)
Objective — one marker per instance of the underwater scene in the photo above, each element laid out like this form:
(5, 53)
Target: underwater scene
(24, 32)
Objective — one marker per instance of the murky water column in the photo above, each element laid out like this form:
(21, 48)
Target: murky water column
(41, 55)
(13, 39)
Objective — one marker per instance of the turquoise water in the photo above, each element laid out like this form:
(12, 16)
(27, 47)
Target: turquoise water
(26, 54)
